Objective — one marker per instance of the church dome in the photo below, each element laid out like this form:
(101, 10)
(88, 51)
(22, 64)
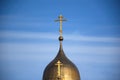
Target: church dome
(61, 68)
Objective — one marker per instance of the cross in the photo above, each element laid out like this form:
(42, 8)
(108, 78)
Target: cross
(59, 69)
(60, 20)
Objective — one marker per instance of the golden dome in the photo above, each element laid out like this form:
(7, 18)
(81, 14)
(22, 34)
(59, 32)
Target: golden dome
(61, 68)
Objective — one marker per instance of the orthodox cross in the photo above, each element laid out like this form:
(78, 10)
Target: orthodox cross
(60, 20)
(59, 69)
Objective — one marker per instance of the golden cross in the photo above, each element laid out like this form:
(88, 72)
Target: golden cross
(59, 68)
(60, 20)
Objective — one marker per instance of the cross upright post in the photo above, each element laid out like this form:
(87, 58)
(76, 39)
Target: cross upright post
(60, 20)
(59, 69)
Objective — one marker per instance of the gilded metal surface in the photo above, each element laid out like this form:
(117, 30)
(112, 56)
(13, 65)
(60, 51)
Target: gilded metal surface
(59, 68)
(63, 70)
(60, 20)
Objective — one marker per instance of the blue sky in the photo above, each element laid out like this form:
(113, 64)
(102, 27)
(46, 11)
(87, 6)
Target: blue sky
(29, 37)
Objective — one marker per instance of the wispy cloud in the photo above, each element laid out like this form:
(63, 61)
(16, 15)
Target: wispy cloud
(53, 36)
(18, 51)
(27, 35)
(23, 21)
(32, 51)
(18, 17)
(91, 38)
(52, 47)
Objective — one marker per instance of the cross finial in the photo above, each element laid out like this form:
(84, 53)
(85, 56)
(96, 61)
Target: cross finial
(59, 69)
(61, 19)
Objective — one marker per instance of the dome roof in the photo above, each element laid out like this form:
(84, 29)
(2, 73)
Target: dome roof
(61, 68)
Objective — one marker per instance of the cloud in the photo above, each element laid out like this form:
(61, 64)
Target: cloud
(46, 52)
(53, 47)
(38, 51)
(26, 35)
(92, 39)
(21, 21)
(53, 36)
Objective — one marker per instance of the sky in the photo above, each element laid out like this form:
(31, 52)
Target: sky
(29, 37)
